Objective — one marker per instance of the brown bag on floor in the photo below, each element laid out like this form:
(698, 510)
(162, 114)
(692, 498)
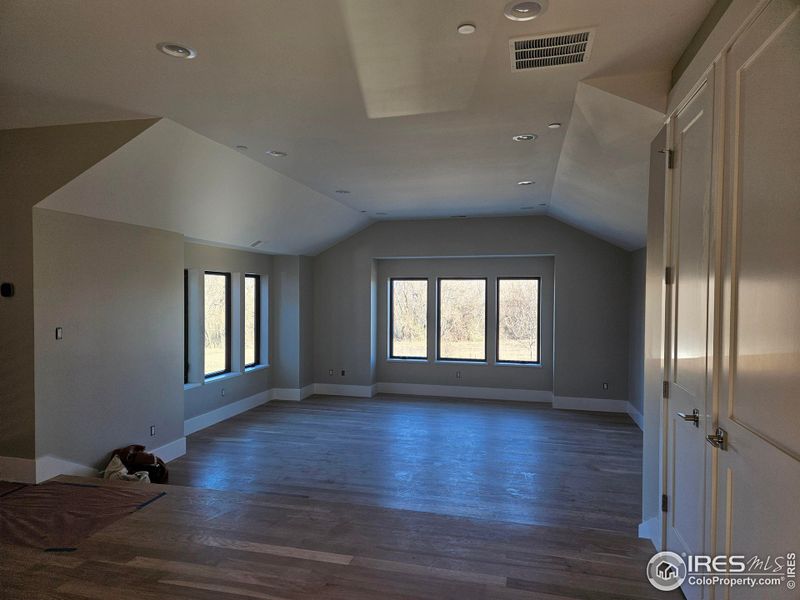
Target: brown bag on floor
(136, 459)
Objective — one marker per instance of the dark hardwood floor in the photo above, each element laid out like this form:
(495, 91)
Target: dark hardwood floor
(524, 463)
(390, 498)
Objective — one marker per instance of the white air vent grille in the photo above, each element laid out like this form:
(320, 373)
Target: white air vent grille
(551, 50)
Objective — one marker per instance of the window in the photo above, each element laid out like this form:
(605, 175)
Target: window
(517, 320)
(462, 319)
(408, 318)
(185, 326)
(252, 320)
(217, 323)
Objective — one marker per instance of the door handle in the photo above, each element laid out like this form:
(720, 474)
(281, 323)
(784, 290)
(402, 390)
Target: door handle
(719, 439)
(692, 418)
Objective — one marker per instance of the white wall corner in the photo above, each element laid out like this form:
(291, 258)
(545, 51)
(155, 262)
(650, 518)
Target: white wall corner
(591, 404)
(224, 412)
(464, 391)
(637, 417)
(292, 394)
(20, 470)
(649, 530)
(335, 389)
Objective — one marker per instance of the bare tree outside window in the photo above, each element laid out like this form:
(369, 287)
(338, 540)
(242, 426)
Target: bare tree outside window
(462, 319)
(216, 323)
(409, 318)
(518, 320)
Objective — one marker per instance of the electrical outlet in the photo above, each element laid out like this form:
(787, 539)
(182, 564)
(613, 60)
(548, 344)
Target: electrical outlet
(222, 392)
(330, 371)
(152, 430)
(342, 372)
(458, 374)
(605, 385)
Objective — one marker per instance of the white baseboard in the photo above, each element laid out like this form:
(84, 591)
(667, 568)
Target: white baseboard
(649, 530)
(637, 417)
(292, 394)
(224, 412)
(20, 470)
(336, 389)
(50, 466)
(464, 391)
(593, 404)
(170, 451)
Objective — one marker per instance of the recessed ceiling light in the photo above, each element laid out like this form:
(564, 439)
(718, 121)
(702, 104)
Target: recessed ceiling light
(277, 153)
(466, 28)
(240, 147)
(526, 182)
(554, 125)
(543, 204)
(342, 191)
(254, 244)
(176, 50)
(525, 137)
(363, 211)
(525, 11)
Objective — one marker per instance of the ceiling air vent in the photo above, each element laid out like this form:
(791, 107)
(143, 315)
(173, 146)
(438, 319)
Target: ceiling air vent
(551, 50)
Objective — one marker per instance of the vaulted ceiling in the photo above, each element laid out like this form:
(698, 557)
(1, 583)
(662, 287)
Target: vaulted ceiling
(383, 99)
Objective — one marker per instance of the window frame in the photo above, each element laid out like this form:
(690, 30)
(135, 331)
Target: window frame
(227, 324)
(391, 317)
(257, 340)
(439, 357)
(186, 326)
(538, 322)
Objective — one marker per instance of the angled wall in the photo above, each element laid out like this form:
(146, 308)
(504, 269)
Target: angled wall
(33, 164)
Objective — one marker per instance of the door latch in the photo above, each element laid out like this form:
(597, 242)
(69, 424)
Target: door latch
(719, 439)
(692, 418)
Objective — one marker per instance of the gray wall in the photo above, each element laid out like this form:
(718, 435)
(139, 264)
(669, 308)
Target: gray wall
(489, 375)
(636, 330)
(654, 331)
(33, 164)
(306, 360)
(592, 282)
(208, 396)
(116, 290)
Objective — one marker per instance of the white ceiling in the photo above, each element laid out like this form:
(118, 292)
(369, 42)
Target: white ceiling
(379, 97)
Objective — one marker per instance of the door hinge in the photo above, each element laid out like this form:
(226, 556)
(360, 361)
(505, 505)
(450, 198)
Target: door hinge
(668, 275)
(670, 159)
(664, 503)
(665, 389)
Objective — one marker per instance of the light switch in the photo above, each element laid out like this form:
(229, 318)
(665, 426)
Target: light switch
(59, 333)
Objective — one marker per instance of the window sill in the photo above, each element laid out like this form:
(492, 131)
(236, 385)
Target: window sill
(255, 368)
(222, 376)
(461, 362)
(518, 364)
(407, 360)
(191, 386)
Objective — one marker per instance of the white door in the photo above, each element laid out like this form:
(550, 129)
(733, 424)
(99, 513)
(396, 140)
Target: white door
(687, 369)
(758, 475)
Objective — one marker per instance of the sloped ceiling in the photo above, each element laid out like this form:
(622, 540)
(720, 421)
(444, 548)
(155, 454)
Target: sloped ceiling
(601, 181)
(377, 97)
(172, 178)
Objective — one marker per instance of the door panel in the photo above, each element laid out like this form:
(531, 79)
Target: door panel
(690, 246)
(759, 406)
